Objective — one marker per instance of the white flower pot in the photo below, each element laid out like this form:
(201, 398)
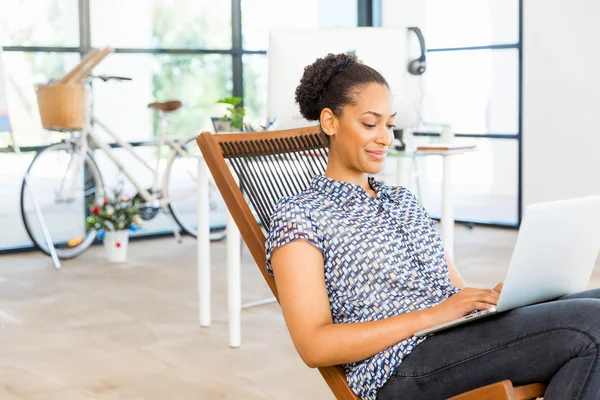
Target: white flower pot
(115, 245)
(223, 125)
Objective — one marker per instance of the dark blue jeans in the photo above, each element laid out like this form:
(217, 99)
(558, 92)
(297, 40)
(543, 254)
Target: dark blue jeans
(555, 343)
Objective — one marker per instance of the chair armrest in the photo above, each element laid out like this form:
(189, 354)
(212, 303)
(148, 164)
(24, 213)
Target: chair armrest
(497, 391)
(530, 391)
(503, 391)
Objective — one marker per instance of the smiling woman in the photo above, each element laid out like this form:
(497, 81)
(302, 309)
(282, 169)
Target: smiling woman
(360, 269)
(358, 233)
(358, 127)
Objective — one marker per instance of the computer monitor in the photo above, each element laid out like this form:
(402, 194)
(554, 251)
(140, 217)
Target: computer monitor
(290, 50)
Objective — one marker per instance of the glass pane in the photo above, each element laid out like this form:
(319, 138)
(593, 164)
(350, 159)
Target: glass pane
(474, 91)
(484, 182)
(260, 16)
(196, 80)
(462, 23)
(255, 89)
(39, 23)
(202, 24)
(12, 170)
(23, 71)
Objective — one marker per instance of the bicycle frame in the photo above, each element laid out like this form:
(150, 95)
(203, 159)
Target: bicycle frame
(148, 196)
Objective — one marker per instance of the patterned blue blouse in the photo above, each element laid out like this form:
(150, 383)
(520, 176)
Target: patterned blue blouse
(382, 258)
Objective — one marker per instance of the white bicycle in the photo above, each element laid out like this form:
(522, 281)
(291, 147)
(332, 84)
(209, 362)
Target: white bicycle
(65, 179)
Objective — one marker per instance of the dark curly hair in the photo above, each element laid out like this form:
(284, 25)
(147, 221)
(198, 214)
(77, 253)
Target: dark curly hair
(333, 82)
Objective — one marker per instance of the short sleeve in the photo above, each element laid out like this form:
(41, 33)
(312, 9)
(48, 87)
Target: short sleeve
(290, 221)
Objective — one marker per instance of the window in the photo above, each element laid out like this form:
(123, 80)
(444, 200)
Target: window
(161, 24)
(197, 80)
(173, 49)
(23, 71)
(39, 23)
(467, 23)
(255, 87)
(472, 83)
(260, 16)
(475, 91)
(484, 182)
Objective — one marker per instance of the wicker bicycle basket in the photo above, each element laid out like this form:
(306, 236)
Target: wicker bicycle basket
(62, 106)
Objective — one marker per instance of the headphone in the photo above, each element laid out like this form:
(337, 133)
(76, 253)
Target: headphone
(418, 66)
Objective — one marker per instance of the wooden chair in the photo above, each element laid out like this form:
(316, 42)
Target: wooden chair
(270, 165)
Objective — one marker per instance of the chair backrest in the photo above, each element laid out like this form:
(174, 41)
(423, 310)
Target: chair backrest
(268, 165)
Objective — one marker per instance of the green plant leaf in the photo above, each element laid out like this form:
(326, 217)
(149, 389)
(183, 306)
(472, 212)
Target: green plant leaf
(234, 101)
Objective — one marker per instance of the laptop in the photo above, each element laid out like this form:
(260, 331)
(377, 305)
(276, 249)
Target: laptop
(556, 250)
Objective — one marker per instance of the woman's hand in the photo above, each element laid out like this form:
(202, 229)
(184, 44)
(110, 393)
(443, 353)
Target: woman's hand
(465, 302)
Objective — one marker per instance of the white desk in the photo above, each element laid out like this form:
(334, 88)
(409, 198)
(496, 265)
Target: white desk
(234, 289)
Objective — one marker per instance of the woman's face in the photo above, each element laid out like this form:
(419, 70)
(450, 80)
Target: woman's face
(363, 133)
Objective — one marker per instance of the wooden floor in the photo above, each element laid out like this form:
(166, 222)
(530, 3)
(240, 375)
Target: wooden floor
(98, 331)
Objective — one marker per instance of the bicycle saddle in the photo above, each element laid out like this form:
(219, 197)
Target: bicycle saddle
(166, 106)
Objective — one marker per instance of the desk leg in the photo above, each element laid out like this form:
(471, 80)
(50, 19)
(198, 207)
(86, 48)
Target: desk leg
(401, 172)
(447, 217)
(203, 245)
(234, 283)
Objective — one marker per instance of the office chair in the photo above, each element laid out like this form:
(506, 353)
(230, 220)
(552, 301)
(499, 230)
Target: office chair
(270, 165)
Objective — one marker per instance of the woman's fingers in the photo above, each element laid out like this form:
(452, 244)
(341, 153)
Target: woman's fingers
(483, 295)
(479, 305)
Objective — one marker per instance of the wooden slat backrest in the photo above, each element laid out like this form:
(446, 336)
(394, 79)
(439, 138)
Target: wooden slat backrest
(269, 165)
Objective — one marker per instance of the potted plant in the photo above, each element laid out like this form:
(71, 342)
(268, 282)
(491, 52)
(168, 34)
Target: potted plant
(112, 220)
(233, 119)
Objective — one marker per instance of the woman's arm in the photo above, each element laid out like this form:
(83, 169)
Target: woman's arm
(455, 277)
(299, 275)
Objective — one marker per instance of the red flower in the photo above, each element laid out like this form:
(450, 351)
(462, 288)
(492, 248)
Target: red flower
(95, 209)
(106, 202)
(118, 244)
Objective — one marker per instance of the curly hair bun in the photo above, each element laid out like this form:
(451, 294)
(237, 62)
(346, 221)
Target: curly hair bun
(314, 82)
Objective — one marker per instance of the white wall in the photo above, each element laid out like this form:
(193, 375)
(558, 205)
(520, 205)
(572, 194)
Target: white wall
(561, 139)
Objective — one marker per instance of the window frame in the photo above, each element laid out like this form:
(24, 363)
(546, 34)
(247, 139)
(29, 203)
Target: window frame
(369, 14)
(496, 136)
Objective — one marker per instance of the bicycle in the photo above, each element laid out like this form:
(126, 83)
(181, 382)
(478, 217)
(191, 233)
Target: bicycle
(66, 179)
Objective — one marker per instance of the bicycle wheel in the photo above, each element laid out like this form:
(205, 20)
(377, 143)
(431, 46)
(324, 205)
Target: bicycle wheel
(63, 187)
(179, 187)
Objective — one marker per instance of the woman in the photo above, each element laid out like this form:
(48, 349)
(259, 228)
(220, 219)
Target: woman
(359, 269)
